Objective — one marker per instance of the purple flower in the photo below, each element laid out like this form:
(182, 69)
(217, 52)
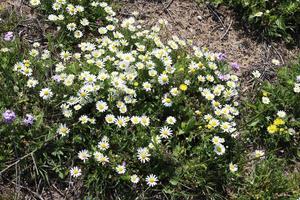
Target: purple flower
(9, 116)
(8, 36)
(224, 77)
(99, 21)
(235, 66)
(56, 78)
(28, 120)
(221, 56)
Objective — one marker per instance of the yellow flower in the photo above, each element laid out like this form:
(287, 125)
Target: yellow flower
(281, 129)
(136, 84)
(197, 112)
(278, 121)
(192, 71)
(265, 94)
(272, 128)
(183, 87)
(27, 63)
(200, 65)
(168, 100)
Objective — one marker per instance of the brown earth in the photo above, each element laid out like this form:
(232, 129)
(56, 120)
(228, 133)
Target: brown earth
(217, 29)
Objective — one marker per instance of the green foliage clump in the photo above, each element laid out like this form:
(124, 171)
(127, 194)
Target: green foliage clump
(273, 113)
(275, 19)
(268, 179)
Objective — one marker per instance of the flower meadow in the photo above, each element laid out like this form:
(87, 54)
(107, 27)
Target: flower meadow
(123, 114)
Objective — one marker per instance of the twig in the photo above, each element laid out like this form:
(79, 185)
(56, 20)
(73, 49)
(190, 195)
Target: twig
(278, 54)
(28, 189)
(34, 163)
(226, 30)
(15, 163)
(57, 190)
(215, 14)
(25, 156)
(18, 186)
(168, 5)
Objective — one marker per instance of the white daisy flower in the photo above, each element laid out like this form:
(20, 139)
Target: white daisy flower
(35, 2)
(110, 118)
(217, 140)
(134, 179)
(78, 34)
(121, 169)
(84, 22)
(281, 114)
(165, 132)
(256, 74)
(265, 100)
(167, 101)
(171, 120)
(121, 121)
(101, 106)
(46, 93)
(84, 119)
(163, 79)
(219, 149)
(233, 167)
(147, 86)
(103, 145)
(75, 172)
(143, 154)
(259, 153)
(151, 180)
(99, 157)
(135, 120)
(145, 121)
(83, 155)
(31, 83)
(63, 130)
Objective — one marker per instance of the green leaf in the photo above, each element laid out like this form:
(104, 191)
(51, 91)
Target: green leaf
(174, 182)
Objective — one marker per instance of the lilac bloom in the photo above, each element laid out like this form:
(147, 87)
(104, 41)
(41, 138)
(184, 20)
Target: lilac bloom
(221, 56)
(235, 66)
(9, 116)
(224, 77)
(8, 36)
(28, 120)
(56, 78)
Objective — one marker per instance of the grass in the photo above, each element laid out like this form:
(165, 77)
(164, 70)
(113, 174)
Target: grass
(194, 173)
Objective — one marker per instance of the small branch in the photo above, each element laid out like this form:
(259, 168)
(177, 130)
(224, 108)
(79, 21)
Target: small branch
(15, 163)
(226, 30)
(57, 190)
(25, 156)
(26, 188)
(35, 166)
(168, 5)
(215, 14)
(278, 54)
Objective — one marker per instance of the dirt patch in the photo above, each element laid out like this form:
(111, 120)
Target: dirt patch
(217, 29)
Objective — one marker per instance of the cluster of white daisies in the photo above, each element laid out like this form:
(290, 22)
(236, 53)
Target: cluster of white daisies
(117, 69)
(297, 85)
(72, 16)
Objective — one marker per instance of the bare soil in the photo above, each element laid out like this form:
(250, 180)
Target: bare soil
(217, 29)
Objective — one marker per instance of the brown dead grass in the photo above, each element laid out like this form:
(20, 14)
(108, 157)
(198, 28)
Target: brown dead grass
(220, 31)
